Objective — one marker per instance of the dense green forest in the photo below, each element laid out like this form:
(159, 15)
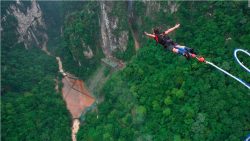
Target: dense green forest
(69, 27)
(31, 109)
(158, 96)
(81, 33)
(162, 96)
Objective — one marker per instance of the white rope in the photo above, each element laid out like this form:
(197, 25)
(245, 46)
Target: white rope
(248, 139)
(242, 82)
(235, 56)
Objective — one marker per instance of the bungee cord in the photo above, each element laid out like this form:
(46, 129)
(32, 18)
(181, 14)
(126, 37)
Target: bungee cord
(241, 64)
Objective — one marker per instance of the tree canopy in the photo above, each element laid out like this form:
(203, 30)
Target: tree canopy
(162, 96)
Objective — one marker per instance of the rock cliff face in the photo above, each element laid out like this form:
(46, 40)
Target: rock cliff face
(111, 34)
(113, 22)
(31, 26)
(109, 23)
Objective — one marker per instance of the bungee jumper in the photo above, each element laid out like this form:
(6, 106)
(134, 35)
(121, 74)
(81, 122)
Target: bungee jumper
(169, 44)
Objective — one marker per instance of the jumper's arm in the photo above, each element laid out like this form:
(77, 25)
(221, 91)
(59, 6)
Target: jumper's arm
(172, 29)
(149, 35)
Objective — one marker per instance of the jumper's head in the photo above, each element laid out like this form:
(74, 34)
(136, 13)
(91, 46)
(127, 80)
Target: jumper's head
(156, 30)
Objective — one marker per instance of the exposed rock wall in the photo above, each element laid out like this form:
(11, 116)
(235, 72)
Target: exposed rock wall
(110, 41)
(31, 26)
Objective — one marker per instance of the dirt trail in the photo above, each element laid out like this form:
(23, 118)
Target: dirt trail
(75, 128)
(76, 96)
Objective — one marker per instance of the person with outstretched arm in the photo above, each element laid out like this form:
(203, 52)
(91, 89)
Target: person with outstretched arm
(163, 39)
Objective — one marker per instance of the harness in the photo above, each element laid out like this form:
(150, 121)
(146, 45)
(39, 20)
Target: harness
(156, 39)
(164, 40)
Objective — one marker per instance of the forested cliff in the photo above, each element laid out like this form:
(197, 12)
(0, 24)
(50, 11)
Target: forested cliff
(157, 96)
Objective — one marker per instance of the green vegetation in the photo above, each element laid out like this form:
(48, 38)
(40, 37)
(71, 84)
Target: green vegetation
(31, 109)
(129, 52)
(39, 114)
(148, 99)
(158, 96)
(162, 96)
(81, 33)
(119, 9)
